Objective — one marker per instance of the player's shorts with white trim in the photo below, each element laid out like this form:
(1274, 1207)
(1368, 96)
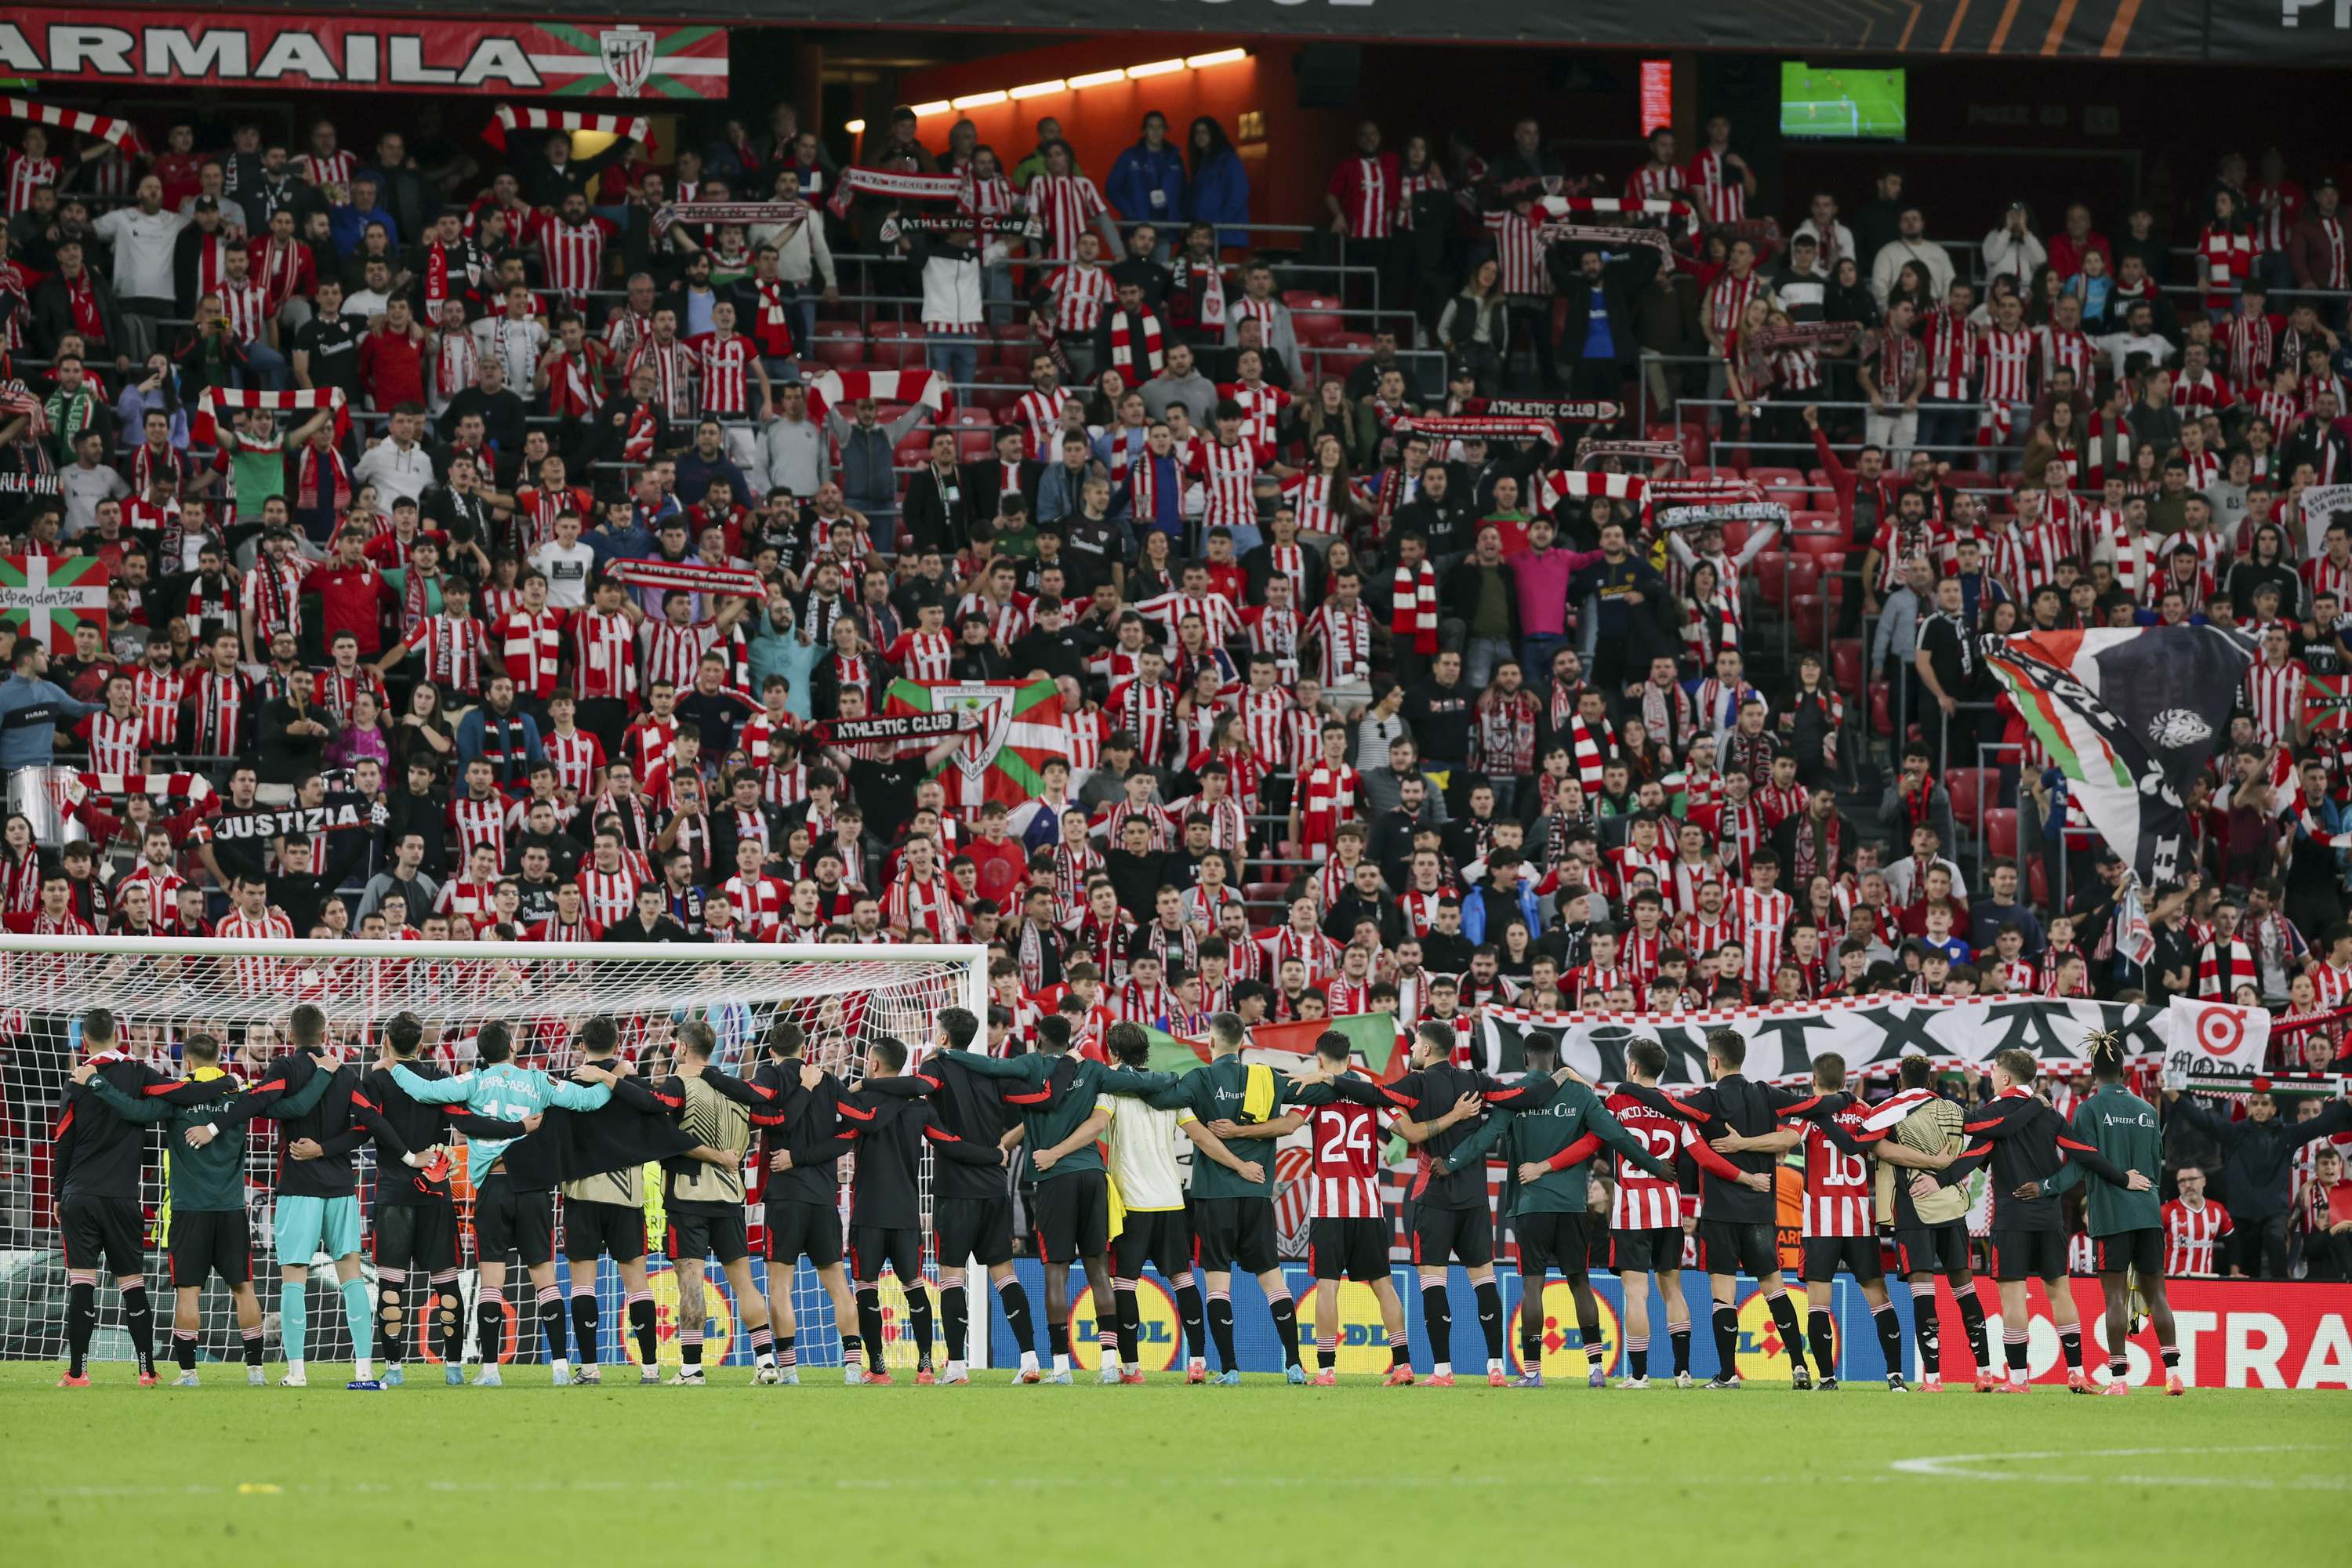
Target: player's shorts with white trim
(508, 1219)
(1859, 1254)
(2029, 1254)
(109, 1233)
(1556, 1240)
(797, 1229)
(1734, 1246)
(1234, 1233)
(1465, 1235)
(1161, 1238)
(419, 1237)
(1653, 1251)
(1354, 1248)
(210, 1241)
(872, 1246)
(1073, 1216)
(974, 1227)
(1933, 1249)
(2141, 1249)
(591, 1227)
(695, 1235)
(306, 1227)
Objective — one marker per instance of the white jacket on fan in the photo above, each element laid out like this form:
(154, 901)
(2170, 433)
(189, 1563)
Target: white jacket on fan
(952, 283)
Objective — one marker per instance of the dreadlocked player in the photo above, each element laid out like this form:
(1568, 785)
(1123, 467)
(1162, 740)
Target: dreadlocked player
(2026, 1142)
(2127, 1224)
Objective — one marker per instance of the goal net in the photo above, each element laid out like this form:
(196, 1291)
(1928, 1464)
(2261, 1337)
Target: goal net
(162, 990)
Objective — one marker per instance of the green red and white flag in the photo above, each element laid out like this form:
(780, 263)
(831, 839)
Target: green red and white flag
(2130, 716)
(49, 595)
(1018, 731)
(1373, 1039)
(1173, 1053)
(2327, 702)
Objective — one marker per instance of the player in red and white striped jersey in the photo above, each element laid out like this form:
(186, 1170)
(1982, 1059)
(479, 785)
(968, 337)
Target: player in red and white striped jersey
(1647, 1218)
(1841, 1226)
(1347, 1226)
(2193, 1223)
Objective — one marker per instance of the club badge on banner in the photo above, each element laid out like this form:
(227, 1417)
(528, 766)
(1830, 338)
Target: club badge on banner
(1873, 1034)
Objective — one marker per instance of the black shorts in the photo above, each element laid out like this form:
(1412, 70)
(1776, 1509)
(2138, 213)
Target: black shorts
(591, 1227)
(210, 1241)
(1934, 1249)
(2138, 1249)
(1548, 1241)
(1073, 1216)
(795, 1230)
(2029, 1254)
(695, 1237)
(421, 1238)
(108, 1234)
(1161, 1238)
(873, 1246)
(1354, 1249)
(1732, 1247)
(1658, 1251)
(1234, 1234)
(508, 1219)
(1858, 1253)
(1442, 1233)
(974, 1227)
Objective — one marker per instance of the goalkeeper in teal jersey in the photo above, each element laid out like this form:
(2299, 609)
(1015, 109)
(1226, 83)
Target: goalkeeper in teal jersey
(2127, 1226)
(1062, 1097)
(506, 1219)
(1545, 1143)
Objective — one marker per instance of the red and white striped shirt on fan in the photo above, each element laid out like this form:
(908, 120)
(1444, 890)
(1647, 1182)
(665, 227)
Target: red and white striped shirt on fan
(159, 694)
(604, 654)
(1655, 183)
(246, 308)
(929, 905)
(1319, 511)
(1344, 640)
(530, 646)
(760, 904)
(1079, 295)
(674, 653)
(25, 177)
(1837, 1185)
(1520, 252)
(2008, 366)
(2058, 346)
(1644, 1201)
(577, 757)
(572, 254)
(1366, 186)
(480, 822)
(114, 744)
(1040, 421)
(922, 656)
(1261, 408)
(255, 977)
(1346, 1140)
(1265, 721)
(1067, 205)
(2189, 1237)
(1952, 347)
(1230, 476)
(1724, 194)
(1763, 926)
(329, 169)
(454, 651)
(610, 896)
(1727, 298)
(723, 367)
(2275, 696)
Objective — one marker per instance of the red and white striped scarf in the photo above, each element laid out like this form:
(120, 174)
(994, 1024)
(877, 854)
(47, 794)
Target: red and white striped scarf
(693, 576)
(892, 182)
(454, 364)
(1122, 345)
(121, 133)
(1413, 613)
(637, 128)
(715, 213)
(203, 429)
(307, 467)
(840, 388)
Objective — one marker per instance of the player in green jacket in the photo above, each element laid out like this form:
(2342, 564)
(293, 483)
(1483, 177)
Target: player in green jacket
(2127, 1226)
(1061, 1097)
(1546, 1144)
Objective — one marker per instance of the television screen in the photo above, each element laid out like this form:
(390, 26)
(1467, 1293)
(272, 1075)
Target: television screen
(1858, 103)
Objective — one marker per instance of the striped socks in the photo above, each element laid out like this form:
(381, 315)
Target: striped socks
(689, 1347)
(551, 1325)
(1637, 1354)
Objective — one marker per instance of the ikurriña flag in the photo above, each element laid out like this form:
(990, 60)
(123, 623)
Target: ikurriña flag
(2131, 716)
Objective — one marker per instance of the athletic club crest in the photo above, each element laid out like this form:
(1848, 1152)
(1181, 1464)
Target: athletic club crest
(628, 57)
(994, 706)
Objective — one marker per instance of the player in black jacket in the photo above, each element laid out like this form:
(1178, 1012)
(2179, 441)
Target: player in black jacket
(1441, 1105)
(1739, 1224)
(415, 1221)
(96, 1159)
(803, 1197)
(606, 1213)
(2025, 1139)
(972, 1206)
(888, 1132)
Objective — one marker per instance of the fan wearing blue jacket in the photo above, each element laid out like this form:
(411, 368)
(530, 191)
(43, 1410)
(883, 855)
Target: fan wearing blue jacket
(1147, 182)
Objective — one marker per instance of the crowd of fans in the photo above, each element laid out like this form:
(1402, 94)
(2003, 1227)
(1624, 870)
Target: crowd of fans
(1355, 714)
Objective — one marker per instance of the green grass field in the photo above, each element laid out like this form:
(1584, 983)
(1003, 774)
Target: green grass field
(1272, 1473)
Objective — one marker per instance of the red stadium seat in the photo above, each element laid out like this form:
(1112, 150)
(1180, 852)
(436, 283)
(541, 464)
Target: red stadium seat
(1804, 576)
(999, 387)
(913, 449)
(1772, 570)
(1968, 787)
(970, 419)
(1818, 545)
(899, 345)
(1343, 352)
(1881, 721)
(1313, 311)
(1845, 663)
(1016, 344)
(2000, 836)
(1805, 611)
(1735, 535)
(1833, 582)
(838, 349)
(973, 444)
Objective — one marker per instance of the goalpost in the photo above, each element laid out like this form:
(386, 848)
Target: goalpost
(161, 989)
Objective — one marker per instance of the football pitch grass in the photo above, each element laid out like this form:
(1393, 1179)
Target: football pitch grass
(1270, 1473)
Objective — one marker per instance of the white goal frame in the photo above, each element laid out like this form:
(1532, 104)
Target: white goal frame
(24, 989)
